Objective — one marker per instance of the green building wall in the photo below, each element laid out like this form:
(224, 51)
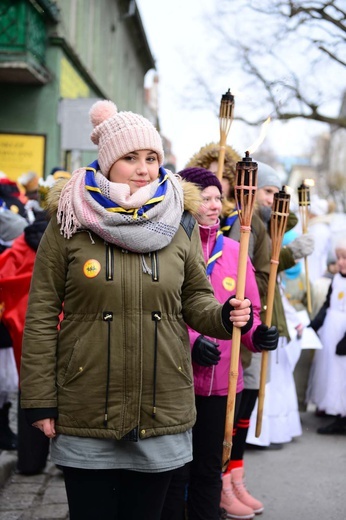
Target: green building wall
(98, 48)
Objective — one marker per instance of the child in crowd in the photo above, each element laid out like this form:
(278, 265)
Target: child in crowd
(327, 385)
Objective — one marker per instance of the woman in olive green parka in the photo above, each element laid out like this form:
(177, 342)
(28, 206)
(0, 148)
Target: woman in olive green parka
(111, 382)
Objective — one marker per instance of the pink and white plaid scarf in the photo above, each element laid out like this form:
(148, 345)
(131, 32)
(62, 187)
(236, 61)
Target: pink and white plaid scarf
(78, 210)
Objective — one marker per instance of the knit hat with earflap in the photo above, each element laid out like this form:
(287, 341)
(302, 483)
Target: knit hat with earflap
(201, 177)
(119, 133)
(267, 176)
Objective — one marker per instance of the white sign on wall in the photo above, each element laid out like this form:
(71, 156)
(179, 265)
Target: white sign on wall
(75, 124)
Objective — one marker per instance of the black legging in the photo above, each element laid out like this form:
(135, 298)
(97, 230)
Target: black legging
(115, 494)
(247, 404)
(204, 491)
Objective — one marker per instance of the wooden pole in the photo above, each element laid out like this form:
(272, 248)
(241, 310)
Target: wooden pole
(225, 119)
(245, 191)
(278, 223)
(304, 205)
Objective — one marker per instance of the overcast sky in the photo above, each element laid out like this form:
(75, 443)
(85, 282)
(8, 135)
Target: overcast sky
(171, 27)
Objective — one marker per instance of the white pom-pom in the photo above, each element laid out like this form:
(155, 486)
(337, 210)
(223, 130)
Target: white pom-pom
(101, 111)
(25, 178)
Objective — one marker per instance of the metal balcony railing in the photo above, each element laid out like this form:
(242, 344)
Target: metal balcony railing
(23, 42)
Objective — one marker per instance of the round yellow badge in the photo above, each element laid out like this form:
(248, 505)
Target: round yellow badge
(341, 295)
(14, 208)
(228, 283)
(91, 268)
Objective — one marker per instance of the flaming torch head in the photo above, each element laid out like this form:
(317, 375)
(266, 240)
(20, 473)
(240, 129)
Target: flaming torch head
(278, 220)
(225, 118)
(245, 188)
(304, 195)
(304, 204)
(226, 111)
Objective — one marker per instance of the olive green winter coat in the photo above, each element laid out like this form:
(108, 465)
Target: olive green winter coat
(119, 361)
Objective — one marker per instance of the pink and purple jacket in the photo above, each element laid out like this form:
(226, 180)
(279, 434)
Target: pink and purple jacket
(214, 380)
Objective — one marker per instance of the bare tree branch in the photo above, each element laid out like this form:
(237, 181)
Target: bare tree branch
(332, 55)
(314, 31)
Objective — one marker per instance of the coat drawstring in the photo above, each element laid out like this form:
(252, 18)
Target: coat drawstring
(108, 317)
(156, 317)
(146, 269)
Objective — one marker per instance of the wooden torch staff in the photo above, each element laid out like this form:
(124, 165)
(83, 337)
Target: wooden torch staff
(278, 223)
(304, 205)
(225, 118)
(245, 191)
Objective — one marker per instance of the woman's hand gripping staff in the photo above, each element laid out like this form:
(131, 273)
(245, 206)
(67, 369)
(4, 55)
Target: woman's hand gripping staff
(241, 314)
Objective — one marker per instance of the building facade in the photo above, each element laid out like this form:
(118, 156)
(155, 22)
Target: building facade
(56, 59)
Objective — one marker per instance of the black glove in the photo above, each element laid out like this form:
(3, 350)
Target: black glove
(226, 309)
(341, 347)
(205, 352)
(265, 338)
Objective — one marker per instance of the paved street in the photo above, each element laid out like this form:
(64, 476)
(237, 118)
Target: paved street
(36, 497)
(303, 481)
(40, 497)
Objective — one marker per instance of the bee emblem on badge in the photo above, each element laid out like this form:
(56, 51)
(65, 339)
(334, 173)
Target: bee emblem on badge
(91, 268)
(229, 283)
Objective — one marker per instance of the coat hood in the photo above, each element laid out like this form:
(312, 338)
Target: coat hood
(210, 153)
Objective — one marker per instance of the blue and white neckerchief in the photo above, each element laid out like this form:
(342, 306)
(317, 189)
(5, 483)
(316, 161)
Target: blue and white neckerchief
(216, 253)
(229, 221)
(94, 190)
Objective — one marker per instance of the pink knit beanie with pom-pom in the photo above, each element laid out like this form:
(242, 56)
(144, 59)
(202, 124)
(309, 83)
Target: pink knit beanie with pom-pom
(119, 133)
